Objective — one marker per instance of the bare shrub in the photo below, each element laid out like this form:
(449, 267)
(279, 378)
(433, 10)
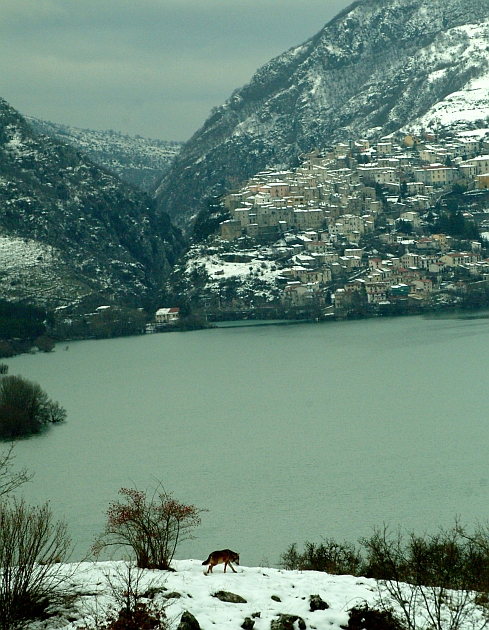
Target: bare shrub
(32, 545)
(329, 556)
(366, 618)
(45, 343)
(6, 349)
(429, 578)
(132, 605)
(151, 526)
(291, 559)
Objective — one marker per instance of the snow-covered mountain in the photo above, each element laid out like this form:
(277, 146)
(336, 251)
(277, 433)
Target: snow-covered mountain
(139, 161)
(71, 231)
(380, 65)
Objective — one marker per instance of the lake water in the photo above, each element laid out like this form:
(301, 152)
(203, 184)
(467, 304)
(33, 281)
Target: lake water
(284, 433)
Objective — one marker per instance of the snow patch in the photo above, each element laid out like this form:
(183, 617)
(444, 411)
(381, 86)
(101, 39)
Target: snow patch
(19, 254)
(256, 585)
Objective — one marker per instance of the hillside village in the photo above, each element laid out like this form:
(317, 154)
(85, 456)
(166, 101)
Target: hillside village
(394, 225)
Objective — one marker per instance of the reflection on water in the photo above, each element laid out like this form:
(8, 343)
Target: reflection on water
(285, 433)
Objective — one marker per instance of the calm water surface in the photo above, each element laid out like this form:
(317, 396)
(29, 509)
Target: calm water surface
(284, 433)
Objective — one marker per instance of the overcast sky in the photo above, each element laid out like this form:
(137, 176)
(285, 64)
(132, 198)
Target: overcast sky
(148, 67)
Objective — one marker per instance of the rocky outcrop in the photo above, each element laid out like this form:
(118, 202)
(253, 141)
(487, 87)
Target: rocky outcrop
(317, 603)
(286, 622)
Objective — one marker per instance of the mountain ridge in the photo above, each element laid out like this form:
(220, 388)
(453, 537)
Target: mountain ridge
(138, 161)
(82, 232)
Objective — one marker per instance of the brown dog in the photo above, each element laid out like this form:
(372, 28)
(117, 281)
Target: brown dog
(218, 557)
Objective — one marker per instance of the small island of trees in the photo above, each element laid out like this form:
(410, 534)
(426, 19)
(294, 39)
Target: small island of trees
(25, 408)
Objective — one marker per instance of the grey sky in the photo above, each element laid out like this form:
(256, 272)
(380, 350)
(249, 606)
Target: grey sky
(149, 67)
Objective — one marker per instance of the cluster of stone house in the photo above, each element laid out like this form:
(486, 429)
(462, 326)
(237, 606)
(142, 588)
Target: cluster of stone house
(322, 192)
(413, 275)
(331, 200)
(337, 190)
(416, 274)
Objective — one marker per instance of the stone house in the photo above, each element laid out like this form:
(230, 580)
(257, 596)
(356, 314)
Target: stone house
(481, 162)
(167, 315)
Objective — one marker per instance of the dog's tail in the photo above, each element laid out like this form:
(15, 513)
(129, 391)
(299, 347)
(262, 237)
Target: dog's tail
(207, 561)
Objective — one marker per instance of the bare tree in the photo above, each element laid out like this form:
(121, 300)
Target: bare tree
(25, 407)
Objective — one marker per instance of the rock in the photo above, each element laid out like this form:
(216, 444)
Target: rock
(188, 622)
(286, 622)
(173, 595)
(316, 603)
(276, 598)
(248, 624)
(153, 591)
(365, 618)
(231, 598)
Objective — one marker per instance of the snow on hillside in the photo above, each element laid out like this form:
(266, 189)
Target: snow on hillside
(18, 254)
(254, 273)
(472, 102)
(29, 268)
(257, 265)
(469, 104)
(139, 161)
(193, 591)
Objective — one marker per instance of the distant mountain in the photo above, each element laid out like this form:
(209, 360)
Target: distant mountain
(378, 66)
(71, 231)
(139, 161)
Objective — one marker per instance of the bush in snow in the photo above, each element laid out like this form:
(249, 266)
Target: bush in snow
(150, 525)
(132, 604)
(432, 579)
(329, 556)
(32, 546)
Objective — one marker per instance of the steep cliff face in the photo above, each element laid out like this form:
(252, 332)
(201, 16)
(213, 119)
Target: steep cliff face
(70, 230)
(378, 66)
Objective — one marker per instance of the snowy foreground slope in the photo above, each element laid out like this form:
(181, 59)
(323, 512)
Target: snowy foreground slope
(268, 598)
(256, 585)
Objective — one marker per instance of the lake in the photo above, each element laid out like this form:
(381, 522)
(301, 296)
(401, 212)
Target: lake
(284, 433)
